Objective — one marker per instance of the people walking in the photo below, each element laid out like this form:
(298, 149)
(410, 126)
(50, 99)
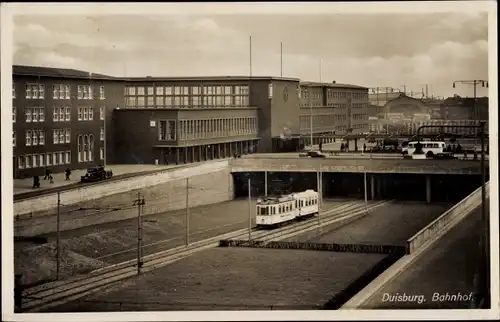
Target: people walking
(47, 173)
(68, 173)
(36, 182)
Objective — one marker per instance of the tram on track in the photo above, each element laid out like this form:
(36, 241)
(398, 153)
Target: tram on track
(276, 210)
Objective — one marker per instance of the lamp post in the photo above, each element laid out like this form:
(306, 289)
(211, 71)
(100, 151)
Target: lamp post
(486, 233)
(474, 83)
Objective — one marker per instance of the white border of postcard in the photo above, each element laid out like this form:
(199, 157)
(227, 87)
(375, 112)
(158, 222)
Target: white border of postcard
(8, 10)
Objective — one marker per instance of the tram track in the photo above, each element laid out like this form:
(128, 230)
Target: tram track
(52, 294)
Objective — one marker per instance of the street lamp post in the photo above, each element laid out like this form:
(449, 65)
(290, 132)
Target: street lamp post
(485, 235)
(474, 83)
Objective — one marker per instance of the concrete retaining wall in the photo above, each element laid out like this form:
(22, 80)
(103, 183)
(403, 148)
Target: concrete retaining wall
(431, 230)
(35, 206)
(204, 189)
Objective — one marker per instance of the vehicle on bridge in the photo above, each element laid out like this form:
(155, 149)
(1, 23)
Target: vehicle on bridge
(97, 173)
(276, 210)
(430, 148)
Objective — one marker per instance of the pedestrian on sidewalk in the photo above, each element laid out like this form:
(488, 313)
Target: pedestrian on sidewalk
(36, 182)
(68, 173)
(47, 174)
(51, 178)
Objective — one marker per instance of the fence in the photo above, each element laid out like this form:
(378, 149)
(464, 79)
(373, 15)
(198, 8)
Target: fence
(331, 247)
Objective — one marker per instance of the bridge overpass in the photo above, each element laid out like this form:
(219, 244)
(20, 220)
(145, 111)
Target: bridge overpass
(290, 163)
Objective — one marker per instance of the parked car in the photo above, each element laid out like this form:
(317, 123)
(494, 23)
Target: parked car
(96, 174)
(316, 154)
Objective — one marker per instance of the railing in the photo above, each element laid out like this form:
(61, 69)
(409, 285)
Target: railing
(430, 231)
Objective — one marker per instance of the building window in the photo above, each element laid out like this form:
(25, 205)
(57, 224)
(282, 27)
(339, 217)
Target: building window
(34, 138)
(80, 113)
(150, 101)
(28, 112)
(101, 153)
(80, 148)
(54, 158)
(62, 136)
(101, 113)
(67, 155)
(67, 133)
(28, 91)
(91, 113)
(85, 147)
(159, 91)
(21, 161)
(13, 90)
(67, 111)
(91, 147)
(41, 160)
(159, 101)
(48, 159)
(55, 136)
(167, 130)
(101, 134)
(14, 115)
(101, 93)
(27, 159)
(140, 101)
(55, 114)
(13, 138)
(84, 92)
(85, 113)
(34, 160)
(41, 137)
(28, 137)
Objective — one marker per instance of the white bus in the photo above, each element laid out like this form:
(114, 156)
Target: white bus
(430, 148)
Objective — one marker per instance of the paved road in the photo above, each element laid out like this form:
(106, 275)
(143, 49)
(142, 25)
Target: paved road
(391, 224)
(235, 278)
(25, 185)
(447, 267)
(117, 241)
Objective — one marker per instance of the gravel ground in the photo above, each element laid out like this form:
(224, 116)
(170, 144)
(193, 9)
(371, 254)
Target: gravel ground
(38, 263)
(235, 278)
(390, 224)
(116, 242)
(447, 267)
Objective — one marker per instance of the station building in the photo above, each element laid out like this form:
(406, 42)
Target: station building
(74, 119)
(58, 118)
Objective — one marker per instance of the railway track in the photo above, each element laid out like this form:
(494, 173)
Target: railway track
(43, 297)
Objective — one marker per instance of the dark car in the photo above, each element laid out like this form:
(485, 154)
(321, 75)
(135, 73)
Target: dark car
(96, 174)
(316, 154)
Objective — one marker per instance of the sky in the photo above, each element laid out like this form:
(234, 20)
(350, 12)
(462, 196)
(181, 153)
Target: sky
(373, 50)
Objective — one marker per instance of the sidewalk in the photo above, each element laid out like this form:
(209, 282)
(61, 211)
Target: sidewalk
(25, 185)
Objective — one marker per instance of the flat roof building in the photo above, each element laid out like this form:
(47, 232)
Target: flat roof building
(74, 119)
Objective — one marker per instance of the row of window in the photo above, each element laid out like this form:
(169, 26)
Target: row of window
(35, 137)
(178, 90)
(86, 148)
(186, 101)
(214, 128)
(362, 116)
(59, 91)
(332, 94)
(34, 114)
(43, 160)
(360, 126)
(320, 120)
(359, 105)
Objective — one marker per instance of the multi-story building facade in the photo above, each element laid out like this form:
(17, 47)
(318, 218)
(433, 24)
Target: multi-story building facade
(74, 119)
(334, 108)
(58, 119)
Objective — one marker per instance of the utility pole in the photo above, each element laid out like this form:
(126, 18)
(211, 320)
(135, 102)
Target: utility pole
(139, 202)
(281, 59)
(249, 211)
(309, 92)
(366, 193)
(58, 242)
(187, 211)
(474, 82)
(318, 180)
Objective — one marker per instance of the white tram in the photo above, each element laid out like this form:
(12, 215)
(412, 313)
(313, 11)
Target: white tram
(276, 210)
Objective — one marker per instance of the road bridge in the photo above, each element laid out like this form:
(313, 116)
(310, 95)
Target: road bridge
(355, 165)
